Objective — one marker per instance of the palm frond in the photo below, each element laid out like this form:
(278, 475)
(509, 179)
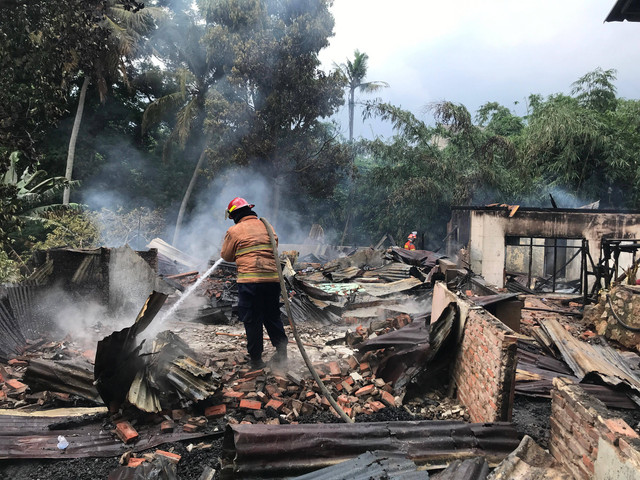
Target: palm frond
(159, 108)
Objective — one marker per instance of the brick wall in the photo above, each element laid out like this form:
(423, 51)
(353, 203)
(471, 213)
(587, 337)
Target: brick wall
(587, 438)
(485, 367)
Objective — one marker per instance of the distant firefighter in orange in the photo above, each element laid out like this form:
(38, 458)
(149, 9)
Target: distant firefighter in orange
(410, 241)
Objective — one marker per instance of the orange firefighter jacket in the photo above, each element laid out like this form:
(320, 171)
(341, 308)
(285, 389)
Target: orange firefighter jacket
(247, 243)
(409, 246)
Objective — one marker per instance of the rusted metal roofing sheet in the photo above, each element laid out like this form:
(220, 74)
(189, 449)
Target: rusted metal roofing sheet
(11, 337)
(420, 258)
(391, 272)
(29, 437)
(588, 360)
(285, 450)
(68, 376)
(470, 469)
(368, 466)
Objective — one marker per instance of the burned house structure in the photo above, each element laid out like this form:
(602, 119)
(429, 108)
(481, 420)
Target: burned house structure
(545, 249)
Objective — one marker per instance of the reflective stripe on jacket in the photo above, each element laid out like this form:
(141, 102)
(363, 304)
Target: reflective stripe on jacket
(247, 243)
(409, 246)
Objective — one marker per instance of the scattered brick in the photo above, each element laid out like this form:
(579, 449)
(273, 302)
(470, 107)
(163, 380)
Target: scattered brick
(387, 399)
(135, 461)
(334, 368)
(16, 385)
(173, 457)
(233, 395)
(14, 362)
(215, 411)
(167, 426)
(367, 390)
(190, 428)
(126, 432)
(250, 404)
(275, 404)
(353, 363)
(376, 406)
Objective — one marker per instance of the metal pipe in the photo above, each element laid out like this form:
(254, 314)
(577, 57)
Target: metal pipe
(287, 306)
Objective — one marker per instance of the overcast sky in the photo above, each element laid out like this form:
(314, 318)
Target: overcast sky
(473, 52)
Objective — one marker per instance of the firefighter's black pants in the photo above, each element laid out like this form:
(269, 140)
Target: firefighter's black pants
(258, 305)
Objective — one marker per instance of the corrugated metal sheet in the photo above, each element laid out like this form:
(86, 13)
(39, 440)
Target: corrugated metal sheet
(68, 376)
(29, 437)
(304, 310)
(590, 360)
(628, 10)
(419, 258)
(280, 450)
(370, 465)
(391, 272)
(11, 337)
(382, 289)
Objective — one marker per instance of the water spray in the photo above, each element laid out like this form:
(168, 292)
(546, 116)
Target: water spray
(189, 291)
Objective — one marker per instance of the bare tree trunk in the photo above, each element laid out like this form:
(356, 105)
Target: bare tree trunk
(351, 108)
(187, 194)
(277, 194)
(74, 137)
(346, 228)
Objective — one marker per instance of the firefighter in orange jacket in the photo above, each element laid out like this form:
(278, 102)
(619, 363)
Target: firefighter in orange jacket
(410, 239)
(247, 243)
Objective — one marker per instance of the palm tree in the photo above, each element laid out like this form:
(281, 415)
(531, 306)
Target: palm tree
(196, 74)
(126, 26)
(355, 72)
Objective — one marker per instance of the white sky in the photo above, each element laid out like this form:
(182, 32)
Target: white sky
(473, 52)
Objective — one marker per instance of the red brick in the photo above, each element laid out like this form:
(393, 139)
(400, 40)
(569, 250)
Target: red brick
(3, 396)
(387, 399)
(190, 428)
(376, 406)
(173, 457)
(250, 404)
(275, 404)
(348, 411)
(272, 390)
(215, 411)
(14, 362)
(353, 363)
(343, 399)
(89, 355)
(167, 426)
(334, 368)
(364, 366)
(233, 395)
(588, 463)
(620, 427)
(126, 432)
(16, 385)
(366, 390)
(135, 461)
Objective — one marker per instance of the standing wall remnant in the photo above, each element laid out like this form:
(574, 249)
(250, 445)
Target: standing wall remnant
(485, 366)
(588, 439)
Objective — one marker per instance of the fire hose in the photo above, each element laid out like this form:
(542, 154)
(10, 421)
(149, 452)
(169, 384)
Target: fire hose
(615, 315)
(287, 306)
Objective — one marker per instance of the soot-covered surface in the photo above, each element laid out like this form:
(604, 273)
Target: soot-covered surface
(531, 417)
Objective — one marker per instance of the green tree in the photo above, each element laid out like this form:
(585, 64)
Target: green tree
(195, 73)
(276, 91)
(355, 73)
(125, 27)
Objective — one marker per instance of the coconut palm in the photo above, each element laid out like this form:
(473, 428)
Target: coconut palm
(126, 27)
(195, 74)
(355, 72)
